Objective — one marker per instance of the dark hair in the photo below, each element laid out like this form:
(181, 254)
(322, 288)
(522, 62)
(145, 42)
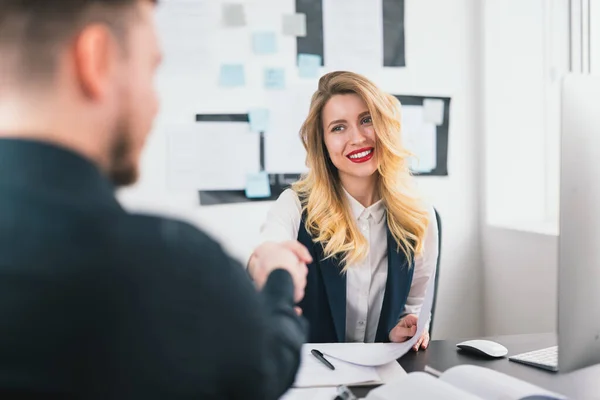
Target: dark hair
(31, 31)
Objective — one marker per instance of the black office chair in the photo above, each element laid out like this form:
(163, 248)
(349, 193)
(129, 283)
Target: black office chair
(438, 220)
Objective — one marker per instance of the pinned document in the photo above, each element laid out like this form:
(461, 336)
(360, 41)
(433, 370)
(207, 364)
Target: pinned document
(259, 119)
(233, 15)
(274, 78)
(258, 186)
(294, 24)
(434, 111)
(232, 75)
(308, 65)
(264, 43)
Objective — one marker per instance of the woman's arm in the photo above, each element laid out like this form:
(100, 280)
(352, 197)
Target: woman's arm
(281, 224)
(283, 219)
(425, 265)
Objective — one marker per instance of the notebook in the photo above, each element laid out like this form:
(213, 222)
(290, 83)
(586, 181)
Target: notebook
(465, 382)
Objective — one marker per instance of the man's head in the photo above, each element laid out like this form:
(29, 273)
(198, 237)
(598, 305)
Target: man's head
(86, 69)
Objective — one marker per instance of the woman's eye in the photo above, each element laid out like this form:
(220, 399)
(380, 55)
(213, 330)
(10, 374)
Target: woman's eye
(337, 128)
(366, 120)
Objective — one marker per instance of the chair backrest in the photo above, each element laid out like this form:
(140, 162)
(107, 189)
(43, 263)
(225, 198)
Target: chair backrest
(438, 220)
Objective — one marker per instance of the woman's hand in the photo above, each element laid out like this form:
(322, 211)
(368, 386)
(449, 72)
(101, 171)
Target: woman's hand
(406, 329)
(291, 256)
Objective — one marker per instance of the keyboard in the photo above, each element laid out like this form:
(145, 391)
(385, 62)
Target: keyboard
(544, 358)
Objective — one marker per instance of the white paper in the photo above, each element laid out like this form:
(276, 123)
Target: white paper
(374, 354)
(353, 35)
(492, 385)
(419, 386)
(434, 111)
(212, 156)
(420, 137)
(228, 152)
(313, 373)
(284, 152)
(294, 24)
(178, 24)
(391, 372)
(327, 393)
(182, 156)
(233, 15)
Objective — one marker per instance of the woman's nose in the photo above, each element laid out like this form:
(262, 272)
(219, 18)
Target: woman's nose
(356, 135)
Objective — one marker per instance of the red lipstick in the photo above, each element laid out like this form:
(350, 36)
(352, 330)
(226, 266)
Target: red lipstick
(361, 155)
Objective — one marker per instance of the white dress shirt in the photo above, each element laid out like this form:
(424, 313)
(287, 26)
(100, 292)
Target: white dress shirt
(365, 281)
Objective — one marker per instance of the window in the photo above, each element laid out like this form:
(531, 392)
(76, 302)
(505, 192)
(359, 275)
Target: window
(525, 55)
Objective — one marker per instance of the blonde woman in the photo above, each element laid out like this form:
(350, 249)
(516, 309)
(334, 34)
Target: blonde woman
(373, 242)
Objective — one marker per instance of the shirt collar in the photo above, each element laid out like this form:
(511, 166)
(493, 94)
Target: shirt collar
(376, 210)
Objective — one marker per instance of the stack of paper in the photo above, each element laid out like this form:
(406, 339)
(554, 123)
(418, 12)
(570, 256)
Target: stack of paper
(316, 381)
(355, 364)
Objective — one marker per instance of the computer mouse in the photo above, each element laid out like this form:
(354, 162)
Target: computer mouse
(484, 348)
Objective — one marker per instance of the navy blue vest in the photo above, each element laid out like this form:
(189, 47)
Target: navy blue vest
(324, 303)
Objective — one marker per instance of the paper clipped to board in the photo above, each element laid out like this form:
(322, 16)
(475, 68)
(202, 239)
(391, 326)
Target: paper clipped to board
(308, 65)
(232, 75)
(294, 24)
(353, 33)
(420, 138)
(233, 15)
(257, 185)
(259, 119)
(264, 43)
(274, 78)
(434, 111)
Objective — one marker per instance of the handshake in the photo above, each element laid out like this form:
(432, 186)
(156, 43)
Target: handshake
(290, 255)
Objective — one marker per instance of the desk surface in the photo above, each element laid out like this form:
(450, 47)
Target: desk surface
(443, 354)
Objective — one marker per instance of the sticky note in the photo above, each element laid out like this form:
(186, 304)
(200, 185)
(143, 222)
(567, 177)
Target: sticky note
(264, 43)
(274, 78)
(259, 119)
(308, 65)
(433, 111)
(233, 15)
(294, 24)
(232, 75)
(258, 186)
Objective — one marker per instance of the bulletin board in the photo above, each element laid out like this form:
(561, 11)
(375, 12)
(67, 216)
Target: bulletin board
(239, 140)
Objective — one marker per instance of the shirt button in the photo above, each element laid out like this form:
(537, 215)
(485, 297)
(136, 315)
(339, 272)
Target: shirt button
(361, 323)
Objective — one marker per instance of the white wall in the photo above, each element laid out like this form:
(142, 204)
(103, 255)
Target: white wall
(442, 52)
(520, 281)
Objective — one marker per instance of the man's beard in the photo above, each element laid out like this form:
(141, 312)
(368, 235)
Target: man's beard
(122, 170)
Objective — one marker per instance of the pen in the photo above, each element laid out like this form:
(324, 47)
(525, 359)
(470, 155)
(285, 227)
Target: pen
(320, 357)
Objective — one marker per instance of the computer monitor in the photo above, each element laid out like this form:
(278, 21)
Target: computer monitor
(579, 235)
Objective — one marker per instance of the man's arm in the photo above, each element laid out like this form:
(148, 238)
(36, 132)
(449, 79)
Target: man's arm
(201, 328)
(285, 327)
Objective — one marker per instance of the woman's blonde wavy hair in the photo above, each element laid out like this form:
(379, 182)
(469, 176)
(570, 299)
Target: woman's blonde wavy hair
(328, 215)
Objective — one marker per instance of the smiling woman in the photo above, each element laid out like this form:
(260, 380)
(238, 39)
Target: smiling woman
(357, 212)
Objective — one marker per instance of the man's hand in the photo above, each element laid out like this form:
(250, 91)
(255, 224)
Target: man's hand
(407, 328)
(291, 256)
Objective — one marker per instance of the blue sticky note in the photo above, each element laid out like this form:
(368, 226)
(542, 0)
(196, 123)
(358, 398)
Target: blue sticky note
(308, 65)
(274, 78)
(258, 186)
(259, 119)
(264, 43)
(232, 75)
